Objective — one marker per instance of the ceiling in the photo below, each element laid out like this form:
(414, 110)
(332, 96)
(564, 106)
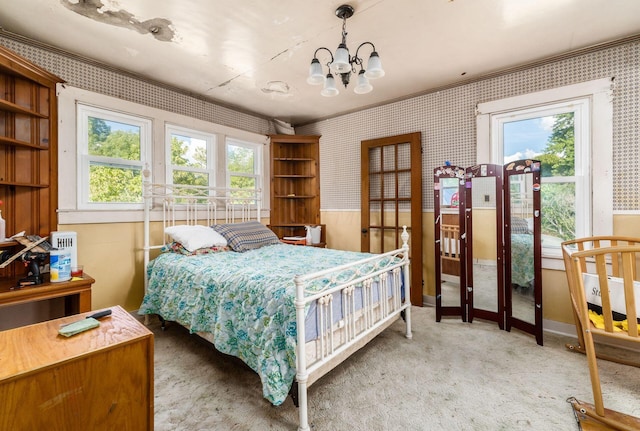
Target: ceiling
(254, 55)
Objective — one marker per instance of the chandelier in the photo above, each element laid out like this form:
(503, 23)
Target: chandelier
(343, 64)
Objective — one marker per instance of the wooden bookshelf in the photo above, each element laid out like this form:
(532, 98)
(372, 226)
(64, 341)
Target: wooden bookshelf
(28, 150)
(295, 184)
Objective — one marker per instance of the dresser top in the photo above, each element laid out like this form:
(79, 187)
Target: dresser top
(33, 347)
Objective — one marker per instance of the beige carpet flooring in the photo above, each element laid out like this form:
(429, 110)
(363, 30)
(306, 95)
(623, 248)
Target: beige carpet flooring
(450, 376)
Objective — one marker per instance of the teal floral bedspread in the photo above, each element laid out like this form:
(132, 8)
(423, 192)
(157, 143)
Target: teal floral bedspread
(246, 300)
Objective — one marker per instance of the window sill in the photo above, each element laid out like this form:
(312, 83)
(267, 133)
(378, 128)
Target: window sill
(72, 216)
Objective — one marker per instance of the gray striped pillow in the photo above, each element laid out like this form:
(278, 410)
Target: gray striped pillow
(246, 236)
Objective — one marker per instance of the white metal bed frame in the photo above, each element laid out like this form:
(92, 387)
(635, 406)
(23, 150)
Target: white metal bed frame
(335, 342)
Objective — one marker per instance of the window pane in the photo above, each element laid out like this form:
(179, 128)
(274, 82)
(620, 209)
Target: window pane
(190, 178)
(188, 151)
(238, 182)
(114, 184)
(113, 139)
(240, 159)
(550, 139)
(558, 212)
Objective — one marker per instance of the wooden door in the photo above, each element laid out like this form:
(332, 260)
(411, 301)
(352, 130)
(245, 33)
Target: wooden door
(392, 197)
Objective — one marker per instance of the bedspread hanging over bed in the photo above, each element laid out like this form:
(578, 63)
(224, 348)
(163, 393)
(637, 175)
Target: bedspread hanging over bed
(246, 300)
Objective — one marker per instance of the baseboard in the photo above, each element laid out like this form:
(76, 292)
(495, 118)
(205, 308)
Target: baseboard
(559, 328)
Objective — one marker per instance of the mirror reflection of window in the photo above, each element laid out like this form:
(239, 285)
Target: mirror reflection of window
(449, 193)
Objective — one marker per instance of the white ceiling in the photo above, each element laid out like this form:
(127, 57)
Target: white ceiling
(254, 55)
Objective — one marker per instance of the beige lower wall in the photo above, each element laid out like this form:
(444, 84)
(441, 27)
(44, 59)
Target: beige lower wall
(112, 254)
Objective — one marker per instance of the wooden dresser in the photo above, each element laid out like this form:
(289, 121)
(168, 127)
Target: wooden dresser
(100, 379)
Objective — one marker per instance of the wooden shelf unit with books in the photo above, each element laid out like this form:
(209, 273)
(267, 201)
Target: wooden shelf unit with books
(295, 185)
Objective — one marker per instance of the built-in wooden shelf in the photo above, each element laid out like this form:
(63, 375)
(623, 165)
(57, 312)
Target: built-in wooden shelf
(28, 152)
(21, 184)
(17, 143)
(5, 105)
(295, 184)
(8, 244)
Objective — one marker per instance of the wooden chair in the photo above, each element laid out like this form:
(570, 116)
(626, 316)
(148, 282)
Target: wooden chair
(613, 270)
(589, 243)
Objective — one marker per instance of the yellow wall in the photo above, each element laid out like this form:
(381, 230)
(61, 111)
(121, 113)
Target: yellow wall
(112, 254)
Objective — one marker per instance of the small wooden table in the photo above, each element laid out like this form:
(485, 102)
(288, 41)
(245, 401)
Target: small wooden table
(98, 380)
(76, 293)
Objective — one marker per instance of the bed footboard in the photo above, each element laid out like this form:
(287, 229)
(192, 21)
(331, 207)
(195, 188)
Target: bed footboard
(371, 300)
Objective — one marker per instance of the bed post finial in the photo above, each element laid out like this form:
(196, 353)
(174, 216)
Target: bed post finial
(405, 237)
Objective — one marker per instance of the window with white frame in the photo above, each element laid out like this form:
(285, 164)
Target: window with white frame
(190, 157)
(243, 166)
(107, 144)
(569, 130)
(113, 148)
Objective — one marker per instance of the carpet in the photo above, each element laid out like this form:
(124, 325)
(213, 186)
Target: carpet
(451, 376)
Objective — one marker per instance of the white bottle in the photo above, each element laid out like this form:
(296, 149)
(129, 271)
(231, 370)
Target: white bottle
(308, 238)
(3, 227)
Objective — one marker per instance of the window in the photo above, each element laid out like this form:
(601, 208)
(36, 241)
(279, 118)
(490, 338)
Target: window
(243, 166)
(112, 150)
(105, 144)
(570, 130)
(190, 157)
(558, 135)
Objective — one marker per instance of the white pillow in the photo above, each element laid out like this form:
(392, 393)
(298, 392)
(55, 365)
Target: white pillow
(196, 236)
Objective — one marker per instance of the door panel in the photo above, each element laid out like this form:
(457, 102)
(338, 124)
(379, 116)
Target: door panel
(391, 172)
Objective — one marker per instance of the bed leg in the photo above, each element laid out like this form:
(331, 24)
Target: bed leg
(302, 408)
(407, 319)
(163, 323)
(293, 393)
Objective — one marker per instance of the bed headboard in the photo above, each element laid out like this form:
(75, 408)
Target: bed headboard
(174, 204)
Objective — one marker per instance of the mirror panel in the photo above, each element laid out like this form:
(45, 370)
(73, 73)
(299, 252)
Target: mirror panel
(522, 247)
(483, 243)
(448, 187)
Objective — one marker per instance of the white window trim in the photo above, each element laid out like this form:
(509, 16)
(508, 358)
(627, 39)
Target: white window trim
(68, 96)
(258, 160)
(84, 111)
(211, 142)
(600, 92)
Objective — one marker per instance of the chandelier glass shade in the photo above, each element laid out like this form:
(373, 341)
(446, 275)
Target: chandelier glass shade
(343, 64)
